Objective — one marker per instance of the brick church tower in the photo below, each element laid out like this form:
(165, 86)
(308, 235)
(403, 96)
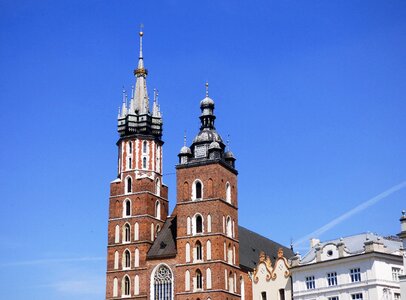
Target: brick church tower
(206, 212)
(198, 252)
(138, 200)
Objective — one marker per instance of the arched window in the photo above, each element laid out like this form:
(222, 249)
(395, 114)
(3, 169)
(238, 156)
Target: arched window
(158, 187)
(162, 287)
(230, 282)
(230, 254)
(129, 162)
(198, 190)
(127, 208)
(130, 147)
(157, 230)
(128, 185)
(229, 230)
(187, 280)
(144, 162)
(208, 250)
(199, 224)
(126, 233)
(136, 232)
(136, 258)
(144, 147)
(208, 223)
(152, 232)
(117, 234)
(136, 285)
(157, 209)
(198, 249)
(233, 254)
(187, 254)
(208, 278)
(126, 259)
(116, 260)
(228, 192)
(242, 287)
(126, 286)
(199, 280)
(188, 227)
(115, 287)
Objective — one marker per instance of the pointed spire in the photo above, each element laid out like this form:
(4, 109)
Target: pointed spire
(207, 89)
(141, 103)
(155, 107)
(184, 139)
(124, 107)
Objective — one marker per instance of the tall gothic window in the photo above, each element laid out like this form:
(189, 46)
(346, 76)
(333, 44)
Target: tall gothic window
(129, 187)
(126, 233)
(199, 255)
(126, 286)
(199, 224)
(144, 162)
(198, 190)
(199, 280)
(144, 147)
(127, 259)
(163, 282)
(127, 208)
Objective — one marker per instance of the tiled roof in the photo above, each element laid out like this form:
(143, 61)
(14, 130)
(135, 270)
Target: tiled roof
(165, 243)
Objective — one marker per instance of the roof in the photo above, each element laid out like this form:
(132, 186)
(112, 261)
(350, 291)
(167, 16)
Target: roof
(165, 242)
(354, 244)
(251, 244)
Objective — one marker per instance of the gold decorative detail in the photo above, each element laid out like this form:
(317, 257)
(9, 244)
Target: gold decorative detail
(280, 252)
(141, 71)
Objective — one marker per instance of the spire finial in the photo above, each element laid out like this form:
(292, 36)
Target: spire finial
(141, 34)
(207, 89)
(228, 142)
(124, 95)
(184, 138)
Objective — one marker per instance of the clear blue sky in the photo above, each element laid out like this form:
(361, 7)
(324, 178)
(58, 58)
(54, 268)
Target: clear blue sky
(312, 94)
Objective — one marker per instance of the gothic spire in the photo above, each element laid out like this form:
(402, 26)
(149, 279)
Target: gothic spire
(140, 102)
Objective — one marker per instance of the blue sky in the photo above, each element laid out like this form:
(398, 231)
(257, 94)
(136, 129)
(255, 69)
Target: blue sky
(312, 94)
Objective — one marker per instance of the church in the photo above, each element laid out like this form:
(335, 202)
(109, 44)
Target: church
(198, 251)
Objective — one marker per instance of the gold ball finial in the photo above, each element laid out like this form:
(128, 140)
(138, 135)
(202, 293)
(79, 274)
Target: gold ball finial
(141, 33)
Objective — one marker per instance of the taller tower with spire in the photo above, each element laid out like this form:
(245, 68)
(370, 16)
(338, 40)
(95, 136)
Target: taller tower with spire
(138, 199)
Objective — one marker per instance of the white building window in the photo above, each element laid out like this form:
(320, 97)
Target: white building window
(128, 183)
(332, 278)
(395, 273)
(310, 283)
(208, 223)
(116, 260)
(127, 208)
(333, 298)
(136, 285)
(229, 229)
(126, 286)
(115, 287)
(355, 275)
(136, 258)
(126, 233)
(197, 224)
(126, 260)
(263, 296)
(158, 210)
(199, 280)
(396, 296)
(228, 193)
(198, 251)
(136, 232)
(187, 280)
(197, 190)
(117, 234)
(208, 278)
(187, 254)
(162, 283)
(208, 250)
(356, 296)
(188, 226)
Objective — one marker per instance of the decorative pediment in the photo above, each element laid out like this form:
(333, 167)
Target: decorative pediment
(269, 269)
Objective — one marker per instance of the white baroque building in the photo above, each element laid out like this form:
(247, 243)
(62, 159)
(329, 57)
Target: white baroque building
(363, 266)
(402, 235)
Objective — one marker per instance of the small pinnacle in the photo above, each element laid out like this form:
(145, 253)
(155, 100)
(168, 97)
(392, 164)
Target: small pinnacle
(403, 213)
